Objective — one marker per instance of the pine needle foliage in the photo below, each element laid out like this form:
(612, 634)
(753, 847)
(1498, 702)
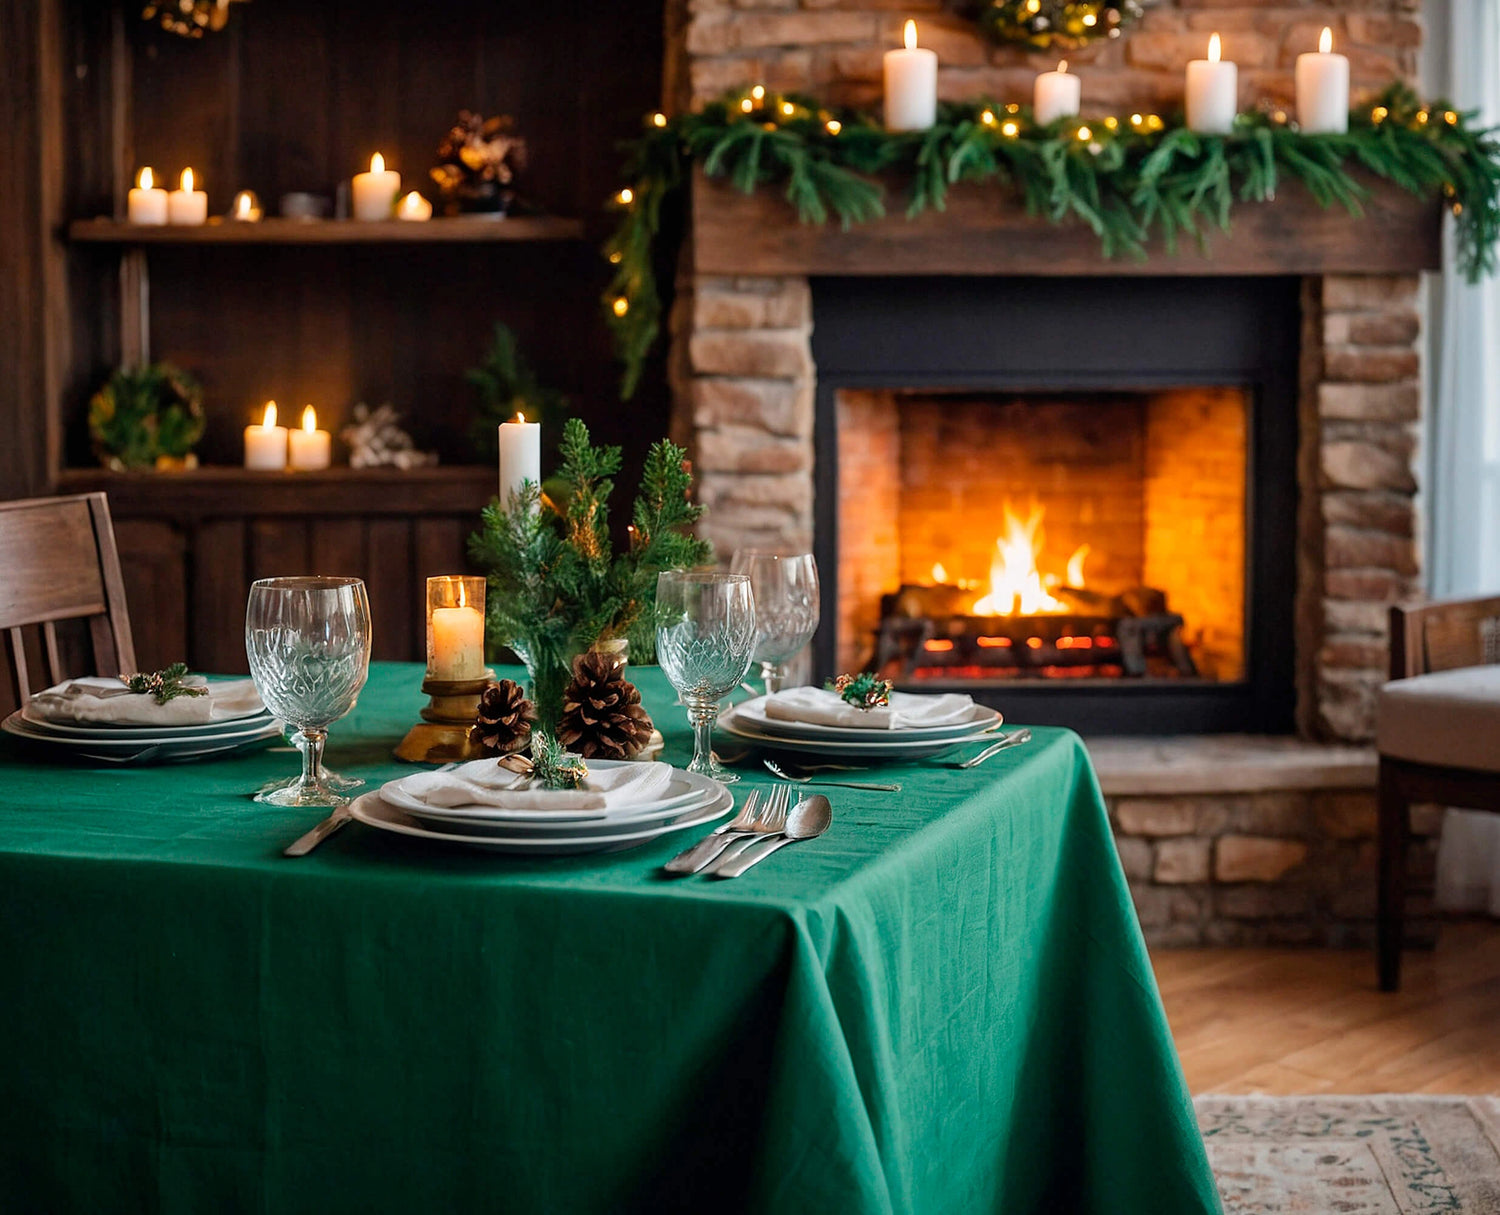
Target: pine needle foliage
(555, 584)
(507, 385)
(1131, 181)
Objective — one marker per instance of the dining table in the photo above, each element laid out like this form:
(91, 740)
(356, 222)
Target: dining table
(943, 1004)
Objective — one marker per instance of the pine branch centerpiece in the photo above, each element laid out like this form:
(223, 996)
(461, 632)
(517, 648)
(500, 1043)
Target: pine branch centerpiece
(556, 584)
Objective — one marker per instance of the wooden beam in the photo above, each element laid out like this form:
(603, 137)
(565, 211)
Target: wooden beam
(983, 232)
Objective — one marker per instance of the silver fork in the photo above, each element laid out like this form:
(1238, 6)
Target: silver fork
(747, 824)
(776, 769)
(772, 822)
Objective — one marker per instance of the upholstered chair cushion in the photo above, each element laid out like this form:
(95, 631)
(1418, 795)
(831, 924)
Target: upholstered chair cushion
(1450, 719)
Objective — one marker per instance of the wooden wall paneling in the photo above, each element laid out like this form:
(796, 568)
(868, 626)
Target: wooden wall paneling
(442, 547)
(219, 590)
(338, 547)
(154, 562)
(279, 548)
(397, 602)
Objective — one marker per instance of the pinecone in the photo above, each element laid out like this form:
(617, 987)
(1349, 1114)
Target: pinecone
(603, 717)
(505, 717)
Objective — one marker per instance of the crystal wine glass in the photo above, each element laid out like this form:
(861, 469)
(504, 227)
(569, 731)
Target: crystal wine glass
(705, 633)
(308, 640)
(785, 584)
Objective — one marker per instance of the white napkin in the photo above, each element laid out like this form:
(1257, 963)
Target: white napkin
(907, 711)
(101, 699)
(484, 782)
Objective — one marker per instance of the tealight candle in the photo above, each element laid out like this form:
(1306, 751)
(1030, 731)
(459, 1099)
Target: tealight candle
(1323, 89)
(147, 203)
(310, 448)
(265, 444)
(187, 205)
(910, 84)
(413, 207)
(375, 192)
(1056, 95)
(1212, 93)
(520, 456)
(455, 628)
(246, 208)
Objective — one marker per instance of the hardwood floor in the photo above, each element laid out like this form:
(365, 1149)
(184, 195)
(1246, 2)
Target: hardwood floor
(1288, 1021)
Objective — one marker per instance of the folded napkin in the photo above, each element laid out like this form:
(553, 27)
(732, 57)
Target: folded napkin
(907, 711)
(485, 783)
(100, 699)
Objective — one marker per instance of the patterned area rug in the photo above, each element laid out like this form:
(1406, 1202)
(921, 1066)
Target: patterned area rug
(1384, 1155)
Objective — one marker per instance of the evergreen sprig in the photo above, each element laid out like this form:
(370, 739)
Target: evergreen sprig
(1129, 180)
(164, 685)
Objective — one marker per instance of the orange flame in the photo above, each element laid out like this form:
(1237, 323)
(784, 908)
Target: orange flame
(1016, 585)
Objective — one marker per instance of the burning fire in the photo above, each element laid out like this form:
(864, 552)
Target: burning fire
(1017, 587)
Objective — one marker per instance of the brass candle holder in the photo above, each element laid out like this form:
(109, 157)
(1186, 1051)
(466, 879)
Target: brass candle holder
(456, 674)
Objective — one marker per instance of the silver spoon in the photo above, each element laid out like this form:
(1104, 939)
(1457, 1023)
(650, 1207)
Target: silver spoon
(808, 820)
(777, 770)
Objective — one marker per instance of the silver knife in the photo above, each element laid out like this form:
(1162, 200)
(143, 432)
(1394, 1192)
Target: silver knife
(318, 834)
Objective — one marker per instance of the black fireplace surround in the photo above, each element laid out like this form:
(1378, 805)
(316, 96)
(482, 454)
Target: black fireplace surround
(1074, 335)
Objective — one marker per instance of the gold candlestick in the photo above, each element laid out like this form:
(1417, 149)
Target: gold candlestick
(442, 736)
(456, 674)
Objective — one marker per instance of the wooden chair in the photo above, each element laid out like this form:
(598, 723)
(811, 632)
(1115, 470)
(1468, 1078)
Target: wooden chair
(58, 563)
(1438, 737)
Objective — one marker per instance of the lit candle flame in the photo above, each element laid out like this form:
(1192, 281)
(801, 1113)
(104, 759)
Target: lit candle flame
(309, 419)
(242, 206)
(377, 163)
(909, 35)
(187, 181)
(520, 417)
(269, 421)
(1062, 67)
(463, 599)
(146, 180)
(1213, 49)
(1325, 41)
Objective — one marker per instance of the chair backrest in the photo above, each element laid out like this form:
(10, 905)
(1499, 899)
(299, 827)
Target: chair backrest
(58, 562)
(1441, 636)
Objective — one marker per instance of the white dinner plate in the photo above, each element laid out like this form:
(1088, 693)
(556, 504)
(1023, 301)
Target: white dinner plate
(167, 749)
(735, 727)
(371, 810)
(683, 790)
(753, 714)
(234, 702)
(107, 733)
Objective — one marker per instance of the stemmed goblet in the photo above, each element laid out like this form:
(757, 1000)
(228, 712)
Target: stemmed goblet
(785, 585)
(308, 641)
(705, 632)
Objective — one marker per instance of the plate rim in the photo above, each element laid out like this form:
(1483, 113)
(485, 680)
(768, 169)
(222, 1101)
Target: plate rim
(16, 725)
(855, 734)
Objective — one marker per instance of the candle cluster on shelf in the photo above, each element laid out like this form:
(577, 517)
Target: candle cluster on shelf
(270, 447)
(153, 206)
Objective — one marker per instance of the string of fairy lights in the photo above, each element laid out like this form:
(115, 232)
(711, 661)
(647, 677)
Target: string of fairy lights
(1127, 176)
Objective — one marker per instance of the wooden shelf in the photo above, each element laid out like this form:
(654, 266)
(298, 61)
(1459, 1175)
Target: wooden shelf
(460, 230)
(217, 492)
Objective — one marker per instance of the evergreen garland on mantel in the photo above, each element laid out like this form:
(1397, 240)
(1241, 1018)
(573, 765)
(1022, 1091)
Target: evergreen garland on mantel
(1128, 179)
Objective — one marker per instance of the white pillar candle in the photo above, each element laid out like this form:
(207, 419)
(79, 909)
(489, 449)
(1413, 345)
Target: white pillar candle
(910, 85)
(187, 205)
(520, 456)
(1212, 93)
(1323, 89)
(265, 443)
(147, 203)
(375, 192)
(457, 638)
(1055, 95)
(413, 207)
(309, 448)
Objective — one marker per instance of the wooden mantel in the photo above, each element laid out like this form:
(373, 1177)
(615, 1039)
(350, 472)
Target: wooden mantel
(984, 233)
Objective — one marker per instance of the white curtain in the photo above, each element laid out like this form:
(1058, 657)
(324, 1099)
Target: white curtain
(1464, 435)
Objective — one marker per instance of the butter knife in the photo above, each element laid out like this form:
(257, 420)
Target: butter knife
(318, 834)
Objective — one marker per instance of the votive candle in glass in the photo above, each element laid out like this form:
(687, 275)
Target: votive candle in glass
(455, 628)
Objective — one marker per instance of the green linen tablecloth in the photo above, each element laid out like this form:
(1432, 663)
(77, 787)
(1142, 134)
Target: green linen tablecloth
(943, 1005)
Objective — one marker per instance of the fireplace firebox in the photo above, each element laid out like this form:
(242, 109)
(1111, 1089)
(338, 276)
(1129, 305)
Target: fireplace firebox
(1074, 499)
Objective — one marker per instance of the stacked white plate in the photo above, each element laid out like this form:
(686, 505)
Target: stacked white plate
(687, 800)
(239, 721)
(750, 723)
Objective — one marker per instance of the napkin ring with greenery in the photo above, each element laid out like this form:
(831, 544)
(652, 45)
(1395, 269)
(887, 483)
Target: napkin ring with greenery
(864, 691)
(504, 720)
(551, 765)
(603, 717)
(163, 685)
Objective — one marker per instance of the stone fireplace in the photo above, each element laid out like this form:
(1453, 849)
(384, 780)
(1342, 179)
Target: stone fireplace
(825, 407)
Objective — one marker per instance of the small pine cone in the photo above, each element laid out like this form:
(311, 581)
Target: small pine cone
(505, 718)
(603, 717)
